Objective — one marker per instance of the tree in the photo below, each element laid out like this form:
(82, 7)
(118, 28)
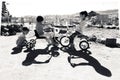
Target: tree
(93, 13)
(5, 13)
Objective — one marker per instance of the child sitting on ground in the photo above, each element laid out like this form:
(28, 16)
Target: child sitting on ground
(21, 41)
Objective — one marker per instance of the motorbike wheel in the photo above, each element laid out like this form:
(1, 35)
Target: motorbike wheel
(84, 45)
(65, 41)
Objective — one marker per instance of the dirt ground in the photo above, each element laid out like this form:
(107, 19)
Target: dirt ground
(58, 68)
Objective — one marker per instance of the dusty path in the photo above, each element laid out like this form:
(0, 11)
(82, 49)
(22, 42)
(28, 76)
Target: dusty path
(58, 68)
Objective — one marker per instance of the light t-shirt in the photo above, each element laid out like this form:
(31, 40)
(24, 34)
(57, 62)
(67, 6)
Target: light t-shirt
(80, 28)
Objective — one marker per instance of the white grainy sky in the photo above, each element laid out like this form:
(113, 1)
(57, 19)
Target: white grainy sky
(52, 7)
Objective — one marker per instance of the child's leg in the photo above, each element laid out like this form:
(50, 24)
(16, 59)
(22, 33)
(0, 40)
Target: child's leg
(21, 44)
(17, 49)
(21, 41)
(73, 36)
(36, 34)
(49, 38)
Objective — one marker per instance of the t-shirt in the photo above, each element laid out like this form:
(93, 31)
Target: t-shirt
(39, 28)
(81, 26)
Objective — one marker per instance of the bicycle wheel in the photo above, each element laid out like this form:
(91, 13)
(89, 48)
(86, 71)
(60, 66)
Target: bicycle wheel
(65, 41)
(84, 45)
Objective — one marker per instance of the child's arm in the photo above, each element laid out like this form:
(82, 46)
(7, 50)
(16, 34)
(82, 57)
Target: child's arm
(30, 35)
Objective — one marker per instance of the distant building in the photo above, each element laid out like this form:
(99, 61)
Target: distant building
(102, 19)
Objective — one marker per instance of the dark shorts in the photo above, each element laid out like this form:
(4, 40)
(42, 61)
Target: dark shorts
(38, 35)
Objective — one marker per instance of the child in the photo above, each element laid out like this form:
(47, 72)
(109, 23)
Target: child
(39, 32)
(39, 27)
(83, 20)
(81, 26)
(21, 41)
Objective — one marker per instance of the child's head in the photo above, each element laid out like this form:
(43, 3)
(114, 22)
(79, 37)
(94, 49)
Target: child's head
(39, 19)
(25, 30)
(83, 15)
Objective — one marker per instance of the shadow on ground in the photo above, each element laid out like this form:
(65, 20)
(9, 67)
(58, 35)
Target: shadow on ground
(91, 61)
(30, 59)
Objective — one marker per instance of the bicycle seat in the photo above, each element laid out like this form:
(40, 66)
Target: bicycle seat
(39, 37)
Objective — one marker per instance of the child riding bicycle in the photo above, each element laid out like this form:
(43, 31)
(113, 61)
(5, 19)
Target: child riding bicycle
(40, 31)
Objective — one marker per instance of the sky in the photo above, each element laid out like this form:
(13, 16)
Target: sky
(57, 7)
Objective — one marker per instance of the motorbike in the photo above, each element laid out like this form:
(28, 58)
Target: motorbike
(66, 39)
(63, 37)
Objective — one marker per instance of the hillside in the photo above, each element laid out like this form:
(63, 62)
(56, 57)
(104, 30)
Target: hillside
(115, 12)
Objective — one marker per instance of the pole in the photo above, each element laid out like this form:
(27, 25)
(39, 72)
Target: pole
(0, 15)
